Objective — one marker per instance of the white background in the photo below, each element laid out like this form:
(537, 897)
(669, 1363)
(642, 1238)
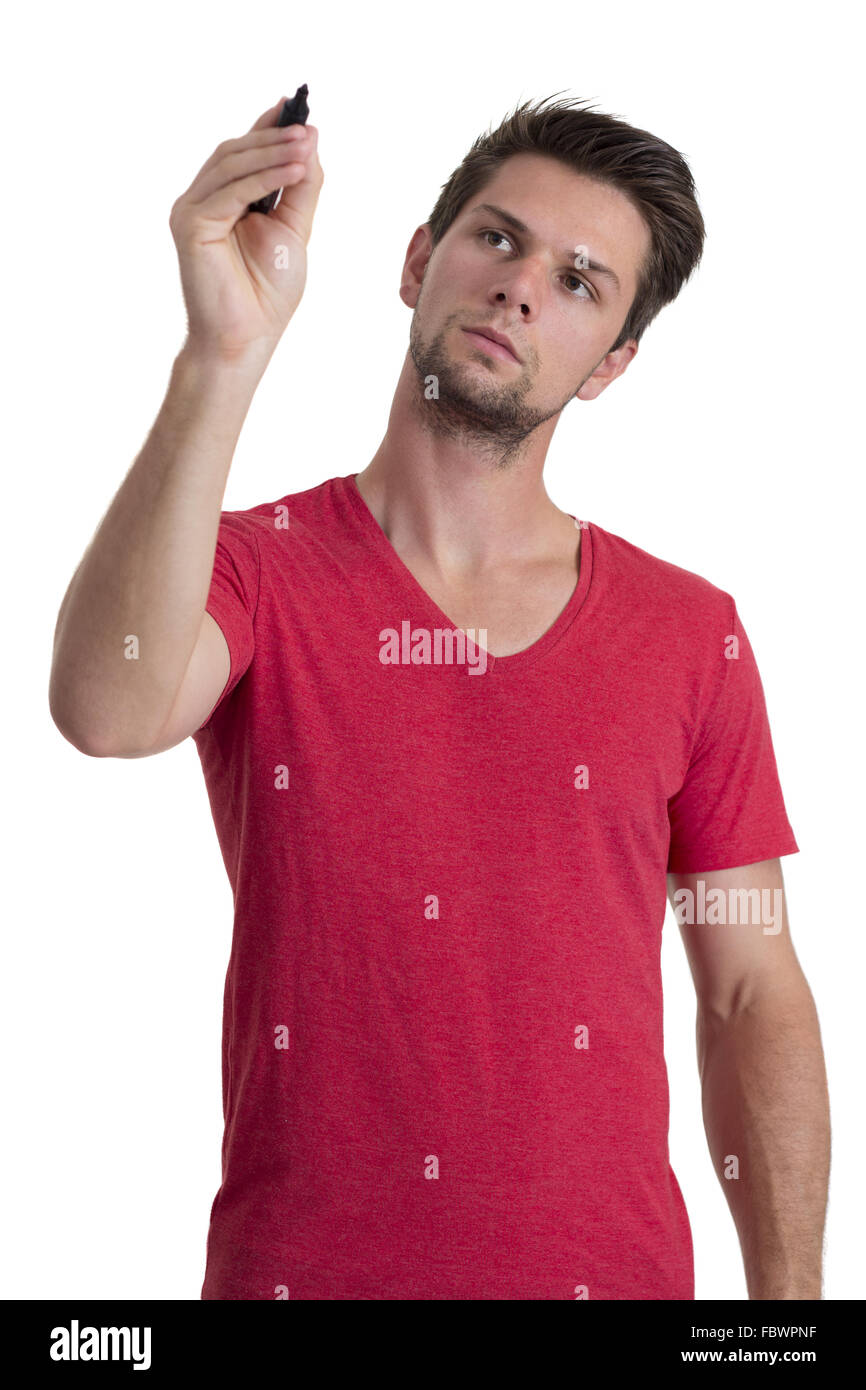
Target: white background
(731, 446)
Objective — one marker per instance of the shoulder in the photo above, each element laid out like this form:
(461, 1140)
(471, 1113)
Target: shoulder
(657, 590)
(303, 512)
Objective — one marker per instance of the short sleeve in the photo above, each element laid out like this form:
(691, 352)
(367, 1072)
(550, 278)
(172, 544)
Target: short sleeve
(730, 809)
(233, 595)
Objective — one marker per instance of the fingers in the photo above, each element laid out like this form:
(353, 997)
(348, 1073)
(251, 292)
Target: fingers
(241, 171)
(261, 129)
(228, 203)
(297, 207)
(253, 153)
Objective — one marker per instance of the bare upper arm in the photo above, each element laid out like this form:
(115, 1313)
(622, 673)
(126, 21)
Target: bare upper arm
(733, 961)
(204, 681)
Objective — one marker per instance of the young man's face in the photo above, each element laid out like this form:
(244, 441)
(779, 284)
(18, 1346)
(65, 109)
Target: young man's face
(534, 287)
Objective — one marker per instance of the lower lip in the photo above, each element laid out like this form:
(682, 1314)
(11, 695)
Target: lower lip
(487, 345)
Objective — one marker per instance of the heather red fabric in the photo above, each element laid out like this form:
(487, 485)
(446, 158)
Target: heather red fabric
(443, 1067)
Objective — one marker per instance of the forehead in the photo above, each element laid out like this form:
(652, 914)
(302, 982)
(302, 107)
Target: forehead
(564, 209)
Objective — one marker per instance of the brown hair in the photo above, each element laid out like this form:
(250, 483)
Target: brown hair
(650, 173)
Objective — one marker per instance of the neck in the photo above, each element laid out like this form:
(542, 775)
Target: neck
(446, 496)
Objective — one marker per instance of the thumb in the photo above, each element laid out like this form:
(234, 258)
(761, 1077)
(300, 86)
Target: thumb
(298, 199)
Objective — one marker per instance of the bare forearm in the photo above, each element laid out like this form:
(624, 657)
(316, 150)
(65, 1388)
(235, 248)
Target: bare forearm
(766, 1114)
(133, 609)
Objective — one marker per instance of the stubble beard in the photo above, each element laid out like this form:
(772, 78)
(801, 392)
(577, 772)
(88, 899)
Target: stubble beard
(489, 414)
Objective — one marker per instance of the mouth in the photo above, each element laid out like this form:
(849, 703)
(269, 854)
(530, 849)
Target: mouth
(494, 344)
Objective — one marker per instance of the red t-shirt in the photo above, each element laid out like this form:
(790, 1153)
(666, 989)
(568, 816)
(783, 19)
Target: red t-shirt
(443, 1066)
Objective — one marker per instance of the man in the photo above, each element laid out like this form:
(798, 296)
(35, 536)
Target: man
(457, 744)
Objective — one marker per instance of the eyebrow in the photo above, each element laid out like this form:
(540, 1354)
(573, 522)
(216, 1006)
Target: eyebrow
(518, 226)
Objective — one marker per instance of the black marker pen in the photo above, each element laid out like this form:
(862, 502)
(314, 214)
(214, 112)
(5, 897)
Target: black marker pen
(294, 112)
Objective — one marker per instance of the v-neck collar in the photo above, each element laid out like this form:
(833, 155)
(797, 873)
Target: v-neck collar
(500, 664)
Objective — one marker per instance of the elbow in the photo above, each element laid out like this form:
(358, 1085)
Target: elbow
(82, 741)
(89, 747)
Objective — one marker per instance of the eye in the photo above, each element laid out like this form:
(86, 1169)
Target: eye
(573, 293)
(501, 236)
(583, 286)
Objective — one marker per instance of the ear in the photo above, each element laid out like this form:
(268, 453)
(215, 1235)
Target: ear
(419, 251)
(609, 368)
